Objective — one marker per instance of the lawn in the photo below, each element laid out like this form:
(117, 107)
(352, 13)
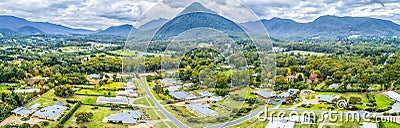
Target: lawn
(95, 92)
(98, 115)
(162, 125)
(382, 101)
(47, 99)
(232, 103)
(389, 125)
(144, 101)
(113, 85)
(244, 92)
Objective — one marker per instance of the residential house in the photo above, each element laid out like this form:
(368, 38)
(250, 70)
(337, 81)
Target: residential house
(182, 95)
(126, 117)
(392, 95)
(50, 113)
(201, 110)
(112, 100)
(24, 112)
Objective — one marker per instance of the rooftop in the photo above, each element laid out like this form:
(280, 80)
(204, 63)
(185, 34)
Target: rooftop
(392, 95)
(51, 112)
(22, 111)
(182, 95)
(206, 93)
(112, 100)
(174, 88)
(126, 117)
(203, 109)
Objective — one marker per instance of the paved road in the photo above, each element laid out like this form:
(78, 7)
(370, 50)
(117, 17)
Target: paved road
(166, 113)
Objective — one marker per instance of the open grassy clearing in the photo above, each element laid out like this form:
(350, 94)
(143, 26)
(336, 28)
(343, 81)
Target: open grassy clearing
(95, 92)
(162, 125)
(47, 99)
(382, 101)
(98, 115)
(251, 123)
(113, 85)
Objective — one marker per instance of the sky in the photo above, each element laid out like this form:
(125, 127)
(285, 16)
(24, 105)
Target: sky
(101, 14)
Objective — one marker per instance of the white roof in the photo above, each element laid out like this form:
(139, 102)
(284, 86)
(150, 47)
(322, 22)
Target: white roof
(392, 95)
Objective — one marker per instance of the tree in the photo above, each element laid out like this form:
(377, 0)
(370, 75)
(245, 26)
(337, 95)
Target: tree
(64, 91)
(83, 117)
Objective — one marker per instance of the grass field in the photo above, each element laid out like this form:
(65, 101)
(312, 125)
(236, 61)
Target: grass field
(306, 53)
(95, 92)
(382, 101)
(144, 101)
(98, 116)
(162, 125)
(114, 85)
(3, 88)
(47, 99)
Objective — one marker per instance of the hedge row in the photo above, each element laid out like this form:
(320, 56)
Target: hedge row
(69, 113)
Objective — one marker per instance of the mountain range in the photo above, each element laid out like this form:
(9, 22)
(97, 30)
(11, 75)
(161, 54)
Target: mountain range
(322, 27)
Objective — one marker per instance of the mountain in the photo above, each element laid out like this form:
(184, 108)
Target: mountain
(196, 7)
(326, 27)
(154, 24)
(11, 25)
(122, 30)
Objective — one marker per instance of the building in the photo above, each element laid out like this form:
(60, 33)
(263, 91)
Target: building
(24, 112)
(201, 109)
(276, 124)
(334, 86)
(182, 95)
(126, 117)
(392, 95)
(327, 98)
(206, 94)
(27, 91)
(265, 94)
(35, 106)
(307, 91)
(94, 76)
(50, 113)
(188, 85)
(112, 100)
(174, 88)
(216, 98)
(369, 125)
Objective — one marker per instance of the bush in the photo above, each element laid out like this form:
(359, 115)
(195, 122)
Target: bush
(69, 113)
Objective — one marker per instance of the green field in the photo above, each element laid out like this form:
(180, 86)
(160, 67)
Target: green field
(3, 88)
(114, 85)
(382, 101)
(47, 99)
(163, 125)
(98, 116)
(251, 123)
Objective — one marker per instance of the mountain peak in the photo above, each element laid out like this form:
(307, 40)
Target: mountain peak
(196, 7)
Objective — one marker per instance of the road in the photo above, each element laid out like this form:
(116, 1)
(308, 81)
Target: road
(160, 106)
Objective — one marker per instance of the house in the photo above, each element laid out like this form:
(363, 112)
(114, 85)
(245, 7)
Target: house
(392, 95)
(127, 93)
(201, 110)
(94, 76)
(369, 125)
(334, 86)
(265, 94)
(188, 85)
(215, 98)
(284, 95)
(50, 113)
(112, 100)
(130, 85)
(24, 112)
(35, 106)
(182, 95)
(126, 117)
(206, 94)
(277, 124)
(307, 91)
(174, 88)
(327, 98)
(27, 91)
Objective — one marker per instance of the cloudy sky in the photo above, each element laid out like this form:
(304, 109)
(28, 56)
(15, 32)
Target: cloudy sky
(100, 14)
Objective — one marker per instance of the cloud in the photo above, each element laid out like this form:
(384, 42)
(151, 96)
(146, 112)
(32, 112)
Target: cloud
(100, 14)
